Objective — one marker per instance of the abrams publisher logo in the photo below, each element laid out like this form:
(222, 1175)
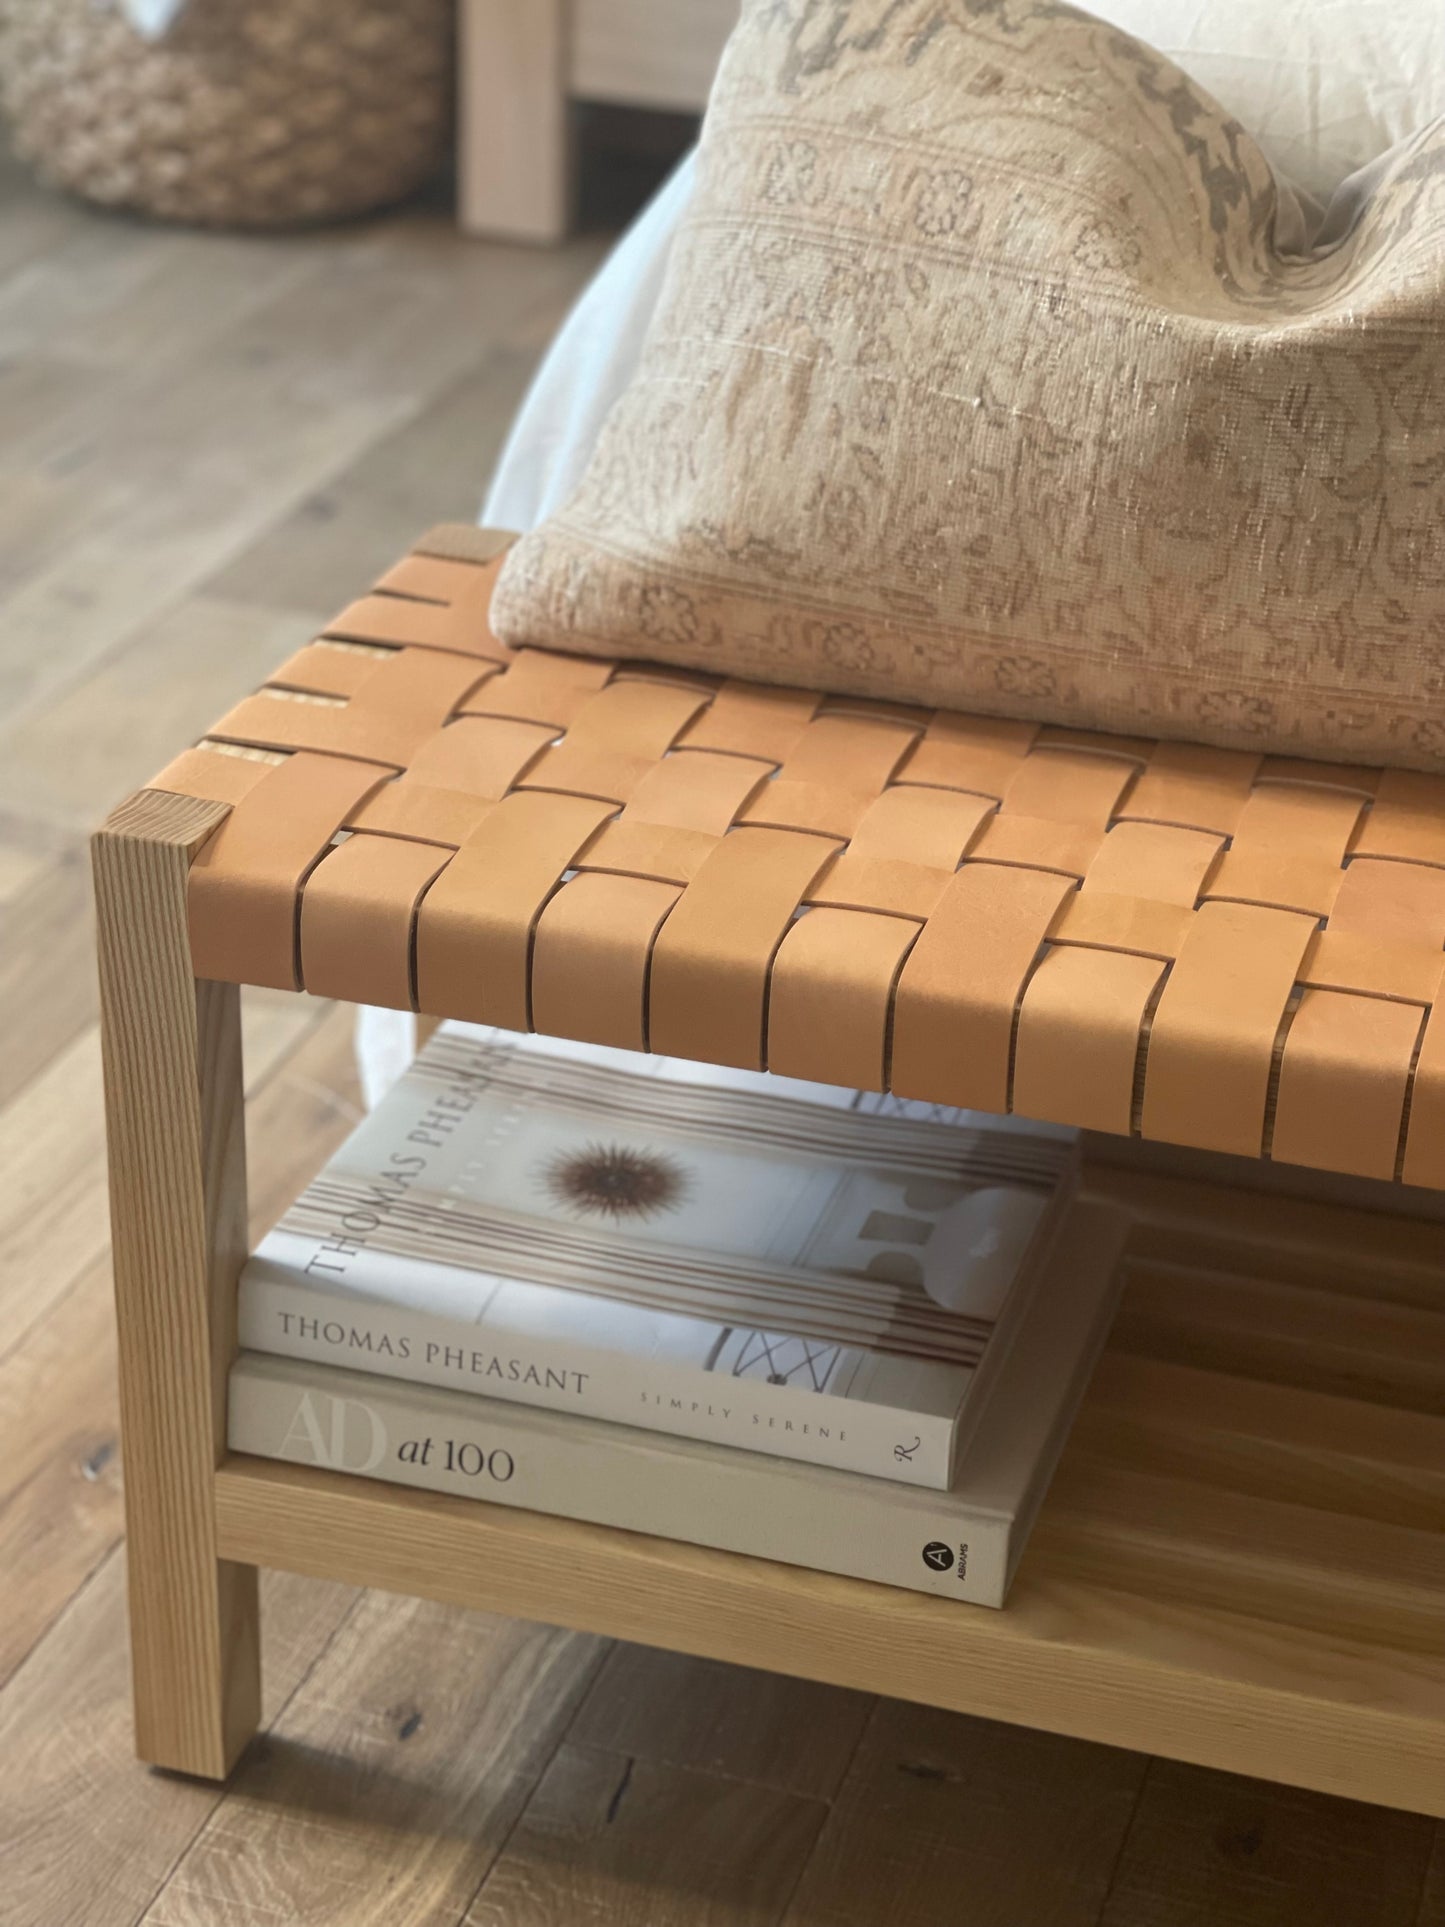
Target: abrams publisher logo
(941, 1557)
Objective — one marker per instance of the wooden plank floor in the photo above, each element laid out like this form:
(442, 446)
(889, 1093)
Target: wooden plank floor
(205, 445)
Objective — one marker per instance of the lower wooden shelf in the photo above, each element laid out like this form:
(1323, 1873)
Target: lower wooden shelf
(1240, 1563)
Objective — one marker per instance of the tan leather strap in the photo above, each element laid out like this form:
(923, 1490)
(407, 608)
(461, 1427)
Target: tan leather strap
(1207, 947)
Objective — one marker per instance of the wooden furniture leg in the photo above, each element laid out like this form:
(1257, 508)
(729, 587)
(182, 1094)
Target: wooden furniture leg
(514, 170)
(173, 1092)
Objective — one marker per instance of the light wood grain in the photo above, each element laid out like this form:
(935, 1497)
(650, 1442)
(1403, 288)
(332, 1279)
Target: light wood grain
(230, 441)
(640, 1844)
(431, 469)
(1206, 1850)
(176, 1143)
(116, 295)
(1234, 1229)
(88, 1835)
(1365, 1348)
(416, 1726)
(47, 976)
(945, 1820)
(156, 693)
(23, 858)
(17, 868)
(1278, 1441)
(33, 227)
(60, 1498)
(514, 160)
(54, 1213)
(1070, 1655)
(60, 1488)
(1316, 1570)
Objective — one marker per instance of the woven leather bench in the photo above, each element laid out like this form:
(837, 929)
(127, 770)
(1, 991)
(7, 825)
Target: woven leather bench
(1232, 952)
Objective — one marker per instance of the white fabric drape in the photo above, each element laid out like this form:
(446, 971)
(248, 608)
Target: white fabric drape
(151, 17)
(586, 368)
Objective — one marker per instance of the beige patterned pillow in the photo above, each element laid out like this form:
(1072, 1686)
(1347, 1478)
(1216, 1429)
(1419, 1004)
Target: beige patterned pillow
(981, 379)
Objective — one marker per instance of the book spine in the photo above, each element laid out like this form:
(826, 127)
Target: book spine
(661, 1394)
(546, 1462)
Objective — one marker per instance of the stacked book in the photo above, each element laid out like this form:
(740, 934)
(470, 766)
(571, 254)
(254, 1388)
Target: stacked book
(812, 1325)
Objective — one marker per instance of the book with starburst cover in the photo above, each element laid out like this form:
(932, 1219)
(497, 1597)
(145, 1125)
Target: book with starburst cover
(824, 1275)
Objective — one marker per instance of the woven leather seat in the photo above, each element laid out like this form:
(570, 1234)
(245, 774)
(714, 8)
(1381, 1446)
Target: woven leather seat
(1236, 952)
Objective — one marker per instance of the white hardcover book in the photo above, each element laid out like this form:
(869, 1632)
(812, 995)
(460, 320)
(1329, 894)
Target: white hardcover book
(963, 1544)
(768, 1265)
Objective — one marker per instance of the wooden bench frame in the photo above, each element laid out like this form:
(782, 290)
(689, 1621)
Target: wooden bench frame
(521, 68)
(1227, 1658)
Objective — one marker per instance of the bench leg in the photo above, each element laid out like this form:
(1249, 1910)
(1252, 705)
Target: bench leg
(173, 1093)
(514, 162)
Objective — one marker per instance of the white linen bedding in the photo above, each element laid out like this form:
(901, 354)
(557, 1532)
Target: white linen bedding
(1326, 86)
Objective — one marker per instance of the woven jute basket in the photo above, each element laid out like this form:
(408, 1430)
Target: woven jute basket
(248, 113)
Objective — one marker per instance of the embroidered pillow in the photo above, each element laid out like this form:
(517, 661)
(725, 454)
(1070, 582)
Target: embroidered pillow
(982, 378)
